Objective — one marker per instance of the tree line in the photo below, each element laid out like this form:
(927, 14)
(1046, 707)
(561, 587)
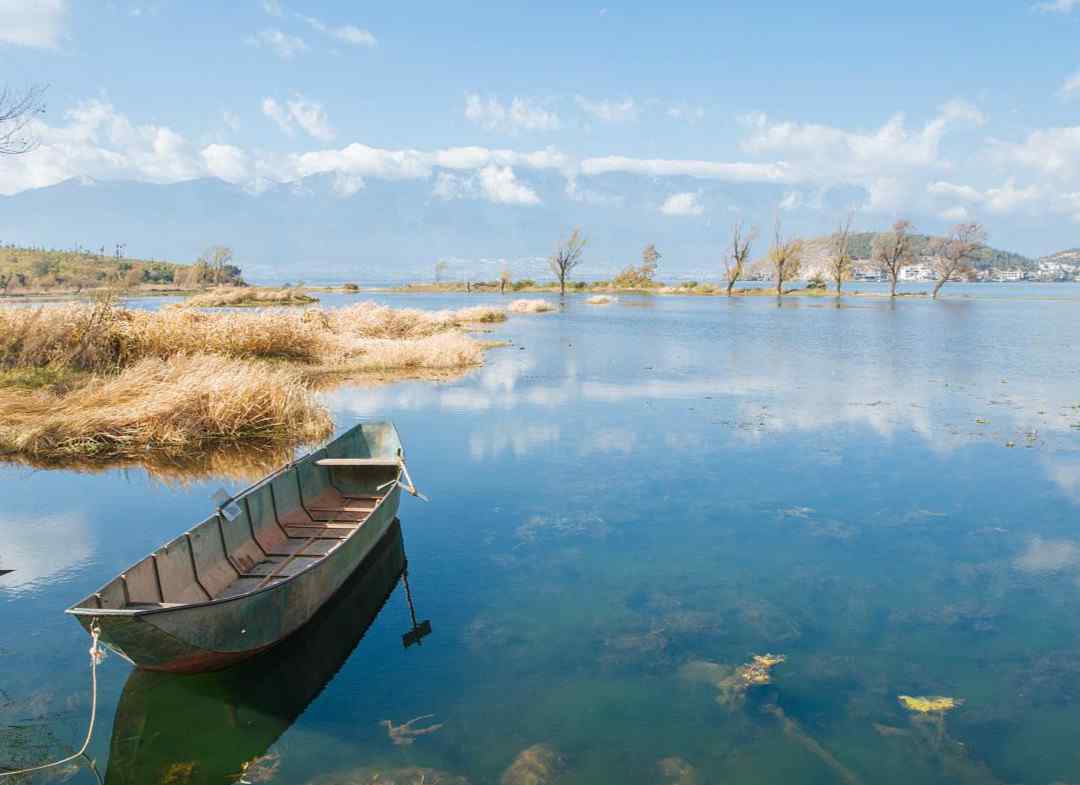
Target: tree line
(893, 250)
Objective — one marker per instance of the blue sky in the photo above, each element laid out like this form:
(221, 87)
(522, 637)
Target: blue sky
(937, 111)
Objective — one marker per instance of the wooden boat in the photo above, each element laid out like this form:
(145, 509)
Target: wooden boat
(258, 568)
(226, 721)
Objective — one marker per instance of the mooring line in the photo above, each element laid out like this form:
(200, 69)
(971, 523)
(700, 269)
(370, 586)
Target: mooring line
(97, 654)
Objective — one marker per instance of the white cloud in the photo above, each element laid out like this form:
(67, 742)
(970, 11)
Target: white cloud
(1058, 6)
(282, 44)
(278, 113)
(686, 112)
(227, 162)
(522, 114)
(963, 192)
(1002, 200)
(501, 186)
(1008, 197)
(309, 115)
(682, 204)
(957, 213)
(731, 172)
(1052, 151)
(273, 7)
(41, 24)
(496, 184)
(350, 34)
(824, 152)
(1071, 88)
(792, 201)
(609, 111)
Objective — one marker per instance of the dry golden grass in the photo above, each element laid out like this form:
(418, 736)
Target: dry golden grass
(531, 306)
(246, 297)
(600, 299)
(104, 338)
(170, 406)
(372, 320)
(440, 352)
(117, 384)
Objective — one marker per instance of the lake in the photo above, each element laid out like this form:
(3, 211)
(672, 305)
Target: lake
(629, 502)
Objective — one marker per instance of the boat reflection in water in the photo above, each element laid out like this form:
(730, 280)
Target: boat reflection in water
(206, 728)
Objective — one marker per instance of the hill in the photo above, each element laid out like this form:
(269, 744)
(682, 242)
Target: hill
(991, 257)
(25, 269)
(1068, 256)
(818, 250)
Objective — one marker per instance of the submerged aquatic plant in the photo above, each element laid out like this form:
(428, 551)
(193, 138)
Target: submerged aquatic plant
(539, 764)
(928, 704)
(757, 670)
(405, 734)
(731, 683)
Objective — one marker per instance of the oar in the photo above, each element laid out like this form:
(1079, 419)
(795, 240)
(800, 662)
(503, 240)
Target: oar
(418, 631)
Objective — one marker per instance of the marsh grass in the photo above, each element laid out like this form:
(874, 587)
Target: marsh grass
(174, 406)
(247, 297)
(530, 306)
(116, 384)
(600, 299)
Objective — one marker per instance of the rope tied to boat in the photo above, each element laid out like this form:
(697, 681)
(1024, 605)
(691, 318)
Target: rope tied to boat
(97, 655)
(410, 488)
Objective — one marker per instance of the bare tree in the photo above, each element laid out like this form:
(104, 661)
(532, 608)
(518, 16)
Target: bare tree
(504, 279)
(954, 254)
(839, 262)
(650, 260)
(735, 263)
(567, 257)
(894, 250)
(215, 260)
(17, 110)
(785, 256)
(440, 270)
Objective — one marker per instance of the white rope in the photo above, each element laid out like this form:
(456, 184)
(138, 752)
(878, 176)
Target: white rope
(97, 654)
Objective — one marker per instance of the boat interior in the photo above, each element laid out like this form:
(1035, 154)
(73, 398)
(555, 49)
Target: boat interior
(268, 534)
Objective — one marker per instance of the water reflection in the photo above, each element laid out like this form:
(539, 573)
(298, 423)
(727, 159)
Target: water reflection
(209, 729)
(239, 462)
(29, 548)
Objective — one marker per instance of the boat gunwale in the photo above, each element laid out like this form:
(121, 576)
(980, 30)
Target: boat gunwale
(76, 610)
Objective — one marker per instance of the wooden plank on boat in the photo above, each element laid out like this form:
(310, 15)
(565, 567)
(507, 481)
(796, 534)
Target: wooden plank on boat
(392, 463)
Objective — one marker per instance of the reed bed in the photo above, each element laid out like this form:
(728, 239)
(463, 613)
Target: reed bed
(172, 406)
(103, 338)
(372, 320)
(96, 382)
(247, 297)
(530, 306)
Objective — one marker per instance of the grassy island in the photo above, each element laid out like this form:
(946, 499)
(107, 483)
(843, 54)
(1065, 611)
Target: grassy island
(97, 382)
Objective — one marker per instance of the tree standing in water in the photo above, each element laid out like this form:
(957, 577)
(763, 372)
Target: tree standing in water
(839, 262)
(735, 262)
(893, 250)
(504, 279)
(785, 256)
(954, 254)
(567, 257)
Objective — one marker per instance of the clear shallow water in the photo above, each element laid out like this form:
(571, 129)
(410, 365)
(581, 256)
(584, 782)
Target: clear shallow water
(628, 492)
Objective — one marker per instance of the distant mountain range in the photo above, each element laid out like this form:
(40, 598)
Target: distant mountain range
(390, 231)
